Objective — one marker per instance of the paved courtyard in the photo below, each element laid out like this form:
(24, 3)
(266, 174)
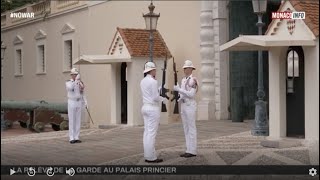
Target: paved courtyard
(219, 143)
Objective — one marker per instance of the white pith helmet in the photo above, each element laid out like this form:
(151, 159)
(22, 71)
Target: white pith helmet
(149, 66)
(74, 71)
(188, 64)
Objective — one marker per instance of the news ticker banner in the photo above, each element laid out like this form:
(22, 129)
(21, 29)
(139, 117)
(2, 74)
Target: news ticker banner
(32, 170)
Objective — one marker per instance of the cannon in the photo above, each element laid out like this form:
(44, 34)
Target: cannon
(35, 114)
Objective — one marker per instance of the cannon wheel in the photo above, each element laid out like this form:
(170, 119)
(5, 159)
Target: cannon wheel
(23, 124)
(38, 127)
(9, 124)
(64, 125)
(55, 127)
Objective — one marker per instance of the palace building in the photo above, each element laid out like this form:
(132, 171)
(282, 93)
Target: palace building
(108, 43)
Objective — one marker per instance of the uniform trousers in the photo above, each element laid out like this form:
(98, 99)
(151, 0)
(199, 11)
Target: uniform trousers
(74, 115)
(151, 116)
(188, 116)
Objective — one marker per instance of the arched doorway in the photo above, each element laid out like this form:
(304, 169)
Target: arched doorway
(124, 93)
(295, 92)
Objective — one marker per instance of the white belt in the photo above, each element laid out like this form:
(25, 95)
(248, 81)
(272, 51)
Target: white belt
(151, 104)
(187, 100)
(74, 99)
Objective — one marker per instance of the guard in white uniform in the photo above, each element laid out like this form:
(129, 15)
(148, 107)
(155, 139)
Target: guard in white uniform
(150, 112)
(187, 93)
(75, 88)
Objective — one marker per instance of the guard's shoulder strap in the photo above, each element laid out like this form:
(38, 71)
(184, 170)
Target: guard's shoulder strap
(195, 79)
(195, 84)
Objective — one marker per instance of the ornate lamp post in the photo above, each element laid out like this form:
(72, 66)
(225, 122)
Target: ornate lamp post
(3, 48)
(151, 19)
(261, 127)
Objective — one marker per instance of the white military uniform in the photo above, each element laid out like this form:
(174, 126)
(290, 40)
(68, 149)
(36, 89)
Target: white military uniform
(75, 103)
(187, 92)
(151, 114)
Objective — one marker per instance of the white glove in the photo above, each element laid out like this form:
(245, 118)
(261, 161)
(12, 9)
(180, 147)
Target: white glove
(85, 102)
(176, 88)
(79, 82)
(180, 98)
(78, 78)
(164, 100)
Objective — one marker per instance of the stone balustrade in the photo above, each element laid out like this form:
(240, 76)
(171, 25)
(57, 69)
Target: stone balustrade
(38, 10)
(66, 3)
(41, 8)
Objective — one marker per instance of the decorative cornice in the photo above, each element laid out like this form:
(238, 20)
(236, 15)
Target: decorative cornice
(116, 44)
(40, 18)
(67, 28)
(40, 35)
(17, 40)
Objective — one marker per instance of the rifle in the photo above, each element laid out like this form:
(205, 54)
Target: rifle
(176, 95)
(89, 114)
(163, 89)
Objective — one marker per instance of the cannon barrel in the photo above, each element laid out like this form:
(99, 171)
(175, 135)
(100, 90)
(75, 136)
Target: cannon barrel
(31, 105)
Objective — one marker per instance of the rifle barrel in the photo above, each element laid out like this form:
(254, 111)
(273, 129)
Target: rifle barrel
(175, 93)
(163, 89)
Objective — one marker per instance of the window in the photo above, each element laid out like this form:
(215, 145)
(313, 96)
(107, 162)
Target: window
(293, 64)
(67, 55)
(292, 69)
(18, 64)
(41, 63)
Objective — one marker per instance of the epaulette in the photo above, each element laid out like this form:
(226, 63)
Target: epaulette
(195, 82)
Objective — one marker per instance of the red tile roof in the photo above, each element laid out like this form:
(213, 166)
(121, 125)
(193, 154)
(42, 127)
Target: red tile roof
(137, 42)
(311, 8)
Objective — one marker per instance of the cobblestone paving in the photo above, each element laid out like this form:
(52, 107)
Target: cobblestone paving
(219, 143)
(236, 149)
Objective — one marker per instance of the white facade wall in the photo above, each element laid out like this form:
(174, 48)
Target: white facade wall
(94, 27)
(49, 86)
(311, 92)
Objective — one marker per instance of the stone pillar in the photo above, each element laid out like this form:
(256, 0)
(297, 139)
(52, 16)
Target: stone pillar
(115, 93)
(311, 66)
(277, 94)
(206, 107)
(135, 74)
(221, 60)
